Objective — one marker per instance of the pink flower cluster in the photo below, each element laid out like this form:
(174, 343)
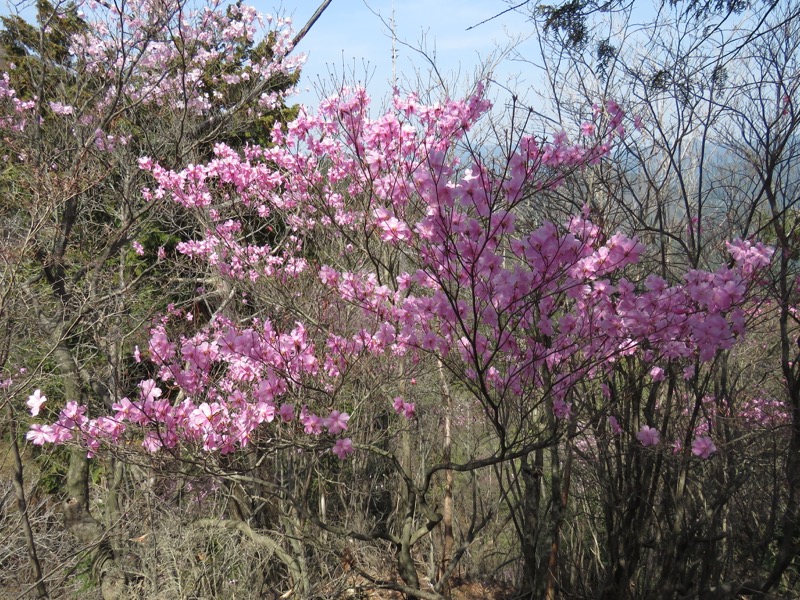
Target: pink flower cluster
(172, 47)
(765, 412)
(703, 446)
(259, 369)
(522, 314)
(648, 436)
(401, 407)
(156, 54)
(15, 117)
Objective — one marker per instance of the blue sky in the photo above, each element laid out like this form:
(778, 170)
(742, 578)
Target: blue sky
(351, 40)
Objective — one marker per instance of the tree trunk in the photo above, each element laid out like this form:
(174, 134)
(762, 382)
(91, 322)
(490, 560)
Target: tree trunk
(22, 505)
(447, 509)
(77, 518)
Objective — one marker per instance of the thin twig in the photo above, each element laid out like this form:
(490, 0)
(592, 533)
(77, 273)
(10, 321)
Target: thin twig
(500, 14)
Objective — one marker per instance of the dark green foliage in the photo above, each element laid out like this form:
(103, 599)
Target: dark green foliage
(40, 51)
(571, 19)
(606, 53)
(568, 19)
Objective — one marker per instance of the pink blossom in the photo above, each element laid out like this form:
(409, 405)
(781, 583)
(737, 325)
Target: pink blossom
(149, 390)
(336, 422)
(614, 425)
(401, 407)
(286, 412)
(343, 448)
(264, 411)
(657, 373)
(648, 436)
(72, 415)
(750, 256)
(561, 409)
(151, 442)
(138, 248)
(110, 427)
(41, 434)
(328, 276)
(703, 446)
(393, 229)
(35, 402)
(409, 410)
(313, 424)
(61, 109)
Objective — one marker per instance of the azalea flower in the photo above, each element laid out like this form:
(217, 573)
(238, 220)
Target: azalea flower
(561, 409)
(401, 407)
(614, 425)
(343, 448)
(337, 422)
(286, 412)
(648, 436)
(41, 434)
(703, 446)
(35, 402)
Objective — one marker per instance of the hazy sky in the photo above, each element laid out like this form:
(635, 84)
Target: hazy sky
(350, 39)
